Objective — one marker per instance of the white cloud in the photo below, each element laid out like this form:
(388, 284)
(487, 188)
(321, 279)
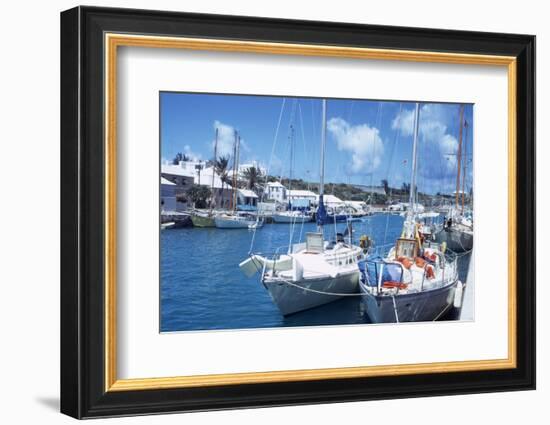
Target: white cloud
(361, 140)
(433, 131)
(226, 139)
(189, 153)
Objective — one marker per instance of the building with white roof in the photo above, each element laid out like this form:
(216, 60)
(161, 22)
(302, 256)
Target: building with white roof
(302, 194)
(187, 173)
(247, 200)
(276, 192)
(167, 195)
(331, 201)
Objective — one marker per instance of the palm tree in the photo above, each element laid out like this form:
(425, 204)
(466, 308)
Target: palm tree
(180, 157)
(252, 175)
(220, 166)
(385, 185)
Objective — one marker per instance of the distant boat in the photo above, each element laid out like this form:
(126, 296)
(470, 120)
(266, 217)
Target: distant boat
(203, 219)
(458, 233)
(168, 225)
(458, 229)
(313, 273)
(292, 217)
(416, 280)
(236, 221)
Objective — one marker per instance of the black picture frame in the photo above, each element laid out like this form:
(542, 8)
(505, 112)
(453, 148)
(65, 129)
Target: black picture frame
(83, 392)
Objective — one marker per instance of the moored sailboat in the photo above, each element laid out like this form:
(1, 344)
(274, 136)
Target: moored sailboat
(313, 273)
(292, 217)
(458, 230)
(416, 280)
(204, 218)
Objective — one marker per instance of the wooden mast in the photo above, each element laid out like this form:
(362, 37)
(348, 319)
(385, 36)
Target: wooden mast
(465, 164)
(232, 205)
(214, 171)
(236, 170)
(459, 154)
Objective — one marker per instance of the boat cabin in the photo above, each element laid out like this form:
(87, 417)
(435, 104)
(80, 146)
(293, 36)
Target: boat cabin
(408, 248)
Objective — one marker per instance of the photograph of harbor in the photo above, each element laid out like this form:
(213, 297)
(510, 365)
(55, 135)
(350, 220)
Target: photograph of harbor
(299, 211)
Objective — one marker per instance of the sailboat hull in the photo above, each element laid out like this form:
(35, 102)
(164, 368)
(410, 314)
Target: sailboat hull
(231, 223)
(415, 307)
(456, 240)
(282, 218)
(203, 221)
(291, 299)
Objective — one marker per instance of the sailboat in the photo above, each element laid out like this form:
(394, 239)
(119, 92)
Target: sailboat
(416, 280)
(236, 220)
(291, 216)
(203, 218)
(295, 216)
(313, 273)
(458, 230)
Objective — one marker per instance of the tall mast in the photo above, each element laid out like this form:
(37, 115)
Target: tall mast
(233, 179)
(323, 141)
(321, 213)
(459, 154)
(291, 137)
(412, 190)
(465, 163)
(236, 171)
(214, 171)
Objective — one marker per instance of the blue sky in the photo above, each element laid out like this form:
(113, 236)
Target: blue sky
(367, 141)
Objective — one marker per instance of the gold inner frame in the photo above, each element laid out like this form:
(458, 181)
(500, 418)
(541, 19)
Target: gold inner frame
(113, 41)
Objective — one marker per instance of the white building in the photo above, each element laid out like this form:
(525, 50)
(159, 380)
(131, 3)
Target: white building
(276, 192)
(187, 173)
(331, 201)
(296, 194)
(167, 195)
(357, 206)
(247, 200)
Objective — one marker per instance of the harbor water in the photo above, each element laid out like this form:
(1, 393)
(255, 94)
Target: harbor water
(202, 287)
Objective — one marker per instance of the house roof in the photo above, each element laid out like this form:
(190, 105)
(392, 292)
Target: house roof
(176, 170)
(330, 199)
(166, 182)
(205, 176)
(247, 193)
(302, 193)
(275, 184)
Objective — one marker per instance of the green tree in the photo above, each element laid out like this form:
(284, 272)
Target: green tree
(386, 185)
(252, 175)
(180, 157)
(221, 167)
(198, 194)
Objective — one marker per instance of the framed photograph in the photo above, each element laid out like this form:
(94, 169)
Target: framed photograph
(261, 212)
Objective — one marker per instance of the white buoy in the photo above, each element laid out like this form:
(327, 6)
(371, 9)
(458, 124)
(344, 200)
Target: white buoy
(458, 295)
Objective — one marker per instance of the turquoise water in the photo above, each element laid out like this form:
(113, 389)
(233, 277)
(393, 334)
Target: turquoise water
(202, 287)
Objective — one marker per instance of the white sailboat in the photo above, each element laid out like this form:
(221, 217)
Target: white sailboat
(416, 280)
(458, 230)
(292, 217)
(313, 273)
(236, 220)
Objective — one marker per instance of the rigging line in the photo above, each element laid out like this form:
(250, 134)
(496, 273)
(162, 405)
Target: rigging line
(270, 161)
(396, 138)
(302, 128)
(275, 140)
